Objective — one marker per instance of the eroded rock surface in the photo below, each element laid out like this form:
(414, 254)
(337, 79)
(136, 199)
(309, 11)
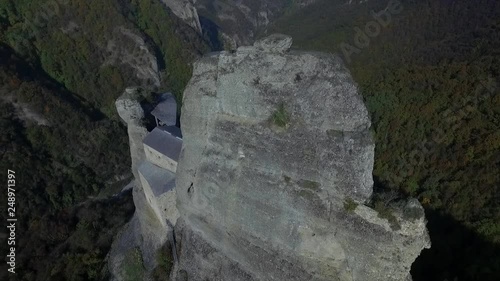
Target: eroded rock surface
(275, 143)
(131, 112)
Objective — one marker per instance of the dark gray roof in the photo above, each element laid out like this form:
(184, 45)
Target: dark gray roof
(176, 131)
(159, 179)
(166, 110)
(165, 143)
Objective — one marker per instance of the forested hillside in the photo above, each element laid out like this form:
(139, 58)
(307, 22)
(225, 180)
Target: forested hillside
(58, 165)
(431, 79)
(62, 65)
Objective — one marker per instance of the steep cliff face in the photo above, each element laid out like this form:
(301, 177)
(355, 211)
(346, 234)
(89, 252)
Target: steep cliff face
(130, 111)
(145, 231)
(275, 168)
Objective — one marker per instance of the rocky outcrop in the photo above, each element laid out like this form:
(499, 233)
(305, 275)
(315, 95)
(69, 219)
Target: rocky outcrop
(186, 11)
(130, 111)
(145, 231)
(128, 49)
(275, 170)
(24, 111)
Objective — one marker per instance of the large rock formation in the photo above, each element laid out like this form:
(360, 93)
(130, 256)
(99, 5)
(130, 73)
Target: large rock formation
(131, 112)
(145, 231)
(277, 153)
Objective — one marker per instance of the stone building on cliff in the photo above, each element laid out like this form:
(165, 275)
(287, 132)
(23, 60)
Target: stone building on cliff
(162, 147)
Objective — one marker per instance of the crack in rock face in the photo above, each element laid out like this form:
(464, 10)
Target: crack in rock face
(275, 143)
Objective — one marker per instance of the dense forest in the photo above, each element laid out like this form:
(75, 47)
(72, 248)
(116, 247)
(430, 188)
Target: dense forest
(58, 166)
(430, 76)
(60, 130)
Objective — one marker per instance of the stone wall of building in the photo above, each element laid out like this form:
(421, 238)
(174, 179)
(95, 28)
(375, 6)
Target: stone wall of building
(157, 158)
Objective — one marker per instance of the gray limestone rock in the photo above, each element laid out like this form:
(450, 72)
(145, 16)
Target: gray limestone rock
(277, 43)
(275, 143)
(149, 234)
(130, 111)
